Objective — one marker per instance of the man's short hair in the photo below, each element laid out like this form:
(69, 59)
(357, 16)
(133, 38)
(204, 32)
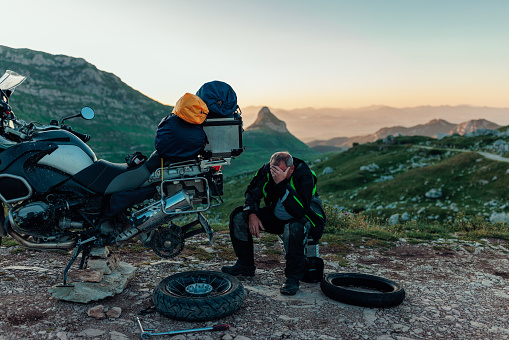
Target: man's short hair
(282, 157)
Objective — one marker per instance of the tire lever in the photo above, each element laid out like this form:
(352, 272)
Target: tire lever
(145, 334)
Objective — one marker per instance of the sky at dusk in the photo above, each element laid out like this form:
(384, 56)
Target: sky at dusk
(284, 54)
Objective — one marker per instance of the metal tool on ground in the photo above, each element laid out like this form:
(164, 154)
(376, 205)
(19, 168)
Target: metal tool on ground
(146, 333)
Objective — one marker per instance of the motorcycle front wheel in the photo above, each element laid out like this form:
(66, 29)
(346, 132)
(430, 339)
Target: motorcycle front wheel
(199, 295)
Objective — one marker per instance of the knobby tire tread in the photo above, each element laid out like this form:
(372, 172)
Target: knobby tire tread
(199, 309)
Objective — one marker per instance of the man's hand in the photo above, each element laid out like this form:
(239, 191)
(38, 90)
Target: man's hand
(255, 225)
(277, 174)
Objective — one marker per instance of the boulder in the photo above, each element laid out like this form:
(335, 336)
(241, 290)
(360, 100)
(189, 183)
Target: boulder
(393, 220)
(434, 193)
(327, 170)
(499, 218)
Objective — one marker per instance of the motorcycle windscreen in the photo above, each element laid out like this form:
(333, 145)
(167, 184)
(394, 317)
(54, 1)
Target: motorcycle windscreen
(10, 80)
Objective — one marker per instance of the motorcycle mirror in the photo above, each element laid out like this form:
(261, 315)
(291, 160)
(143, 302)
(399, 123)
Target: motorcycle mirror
(87, 113)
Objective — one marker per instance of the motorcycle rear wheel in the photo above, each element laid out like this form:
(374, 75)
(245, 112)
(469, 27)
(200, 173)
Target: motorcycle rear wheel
(199, 295)
(362, 290)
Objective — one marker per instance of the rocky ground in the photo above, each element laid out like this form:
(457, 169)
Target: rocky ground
(454, 290)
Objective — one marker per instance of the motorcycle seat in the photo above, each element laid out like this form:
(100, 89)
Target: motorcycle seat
(105, 177)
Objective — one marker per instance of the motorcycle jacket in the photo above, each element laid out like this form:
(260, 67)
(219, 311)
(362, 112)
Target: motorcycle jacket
(296, 193)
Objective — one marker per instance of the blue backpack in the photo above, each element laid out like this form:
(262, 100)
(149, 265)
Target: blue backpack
(220, 98)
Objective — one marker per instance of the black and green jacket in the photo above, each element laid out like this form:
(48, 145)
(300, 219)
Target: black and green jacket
(296, 193)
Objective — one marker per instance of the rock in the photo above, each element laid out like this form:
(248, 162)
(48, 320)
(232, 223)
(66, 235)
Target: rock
(241, 337)
(288, 318)
(114, 312)
(384, 178)
(84, 292)
(405, 216)
(87, 275)
(36, 269)
(100, 252)
(371, 168)
(91, 332)
(227, 337)
(499, 218)
(97, 312)
(118, 336)
(327, 170)
(393, 220)
(62, 336)
(107, 265)
(434, 193)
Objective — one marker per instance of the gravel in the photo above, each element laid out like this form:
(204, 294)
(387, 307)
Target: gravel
(454, 290)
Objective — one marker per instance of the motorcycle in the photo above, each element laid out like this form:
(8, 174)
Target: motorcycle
(56, 194)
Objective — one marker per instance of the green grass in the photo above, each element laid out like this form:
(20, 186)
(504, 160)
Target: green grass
(9, 242)
(362, 230)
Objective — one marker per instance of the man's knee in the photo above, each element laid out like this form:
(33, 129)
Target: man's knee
(297, 229)
(239, 225)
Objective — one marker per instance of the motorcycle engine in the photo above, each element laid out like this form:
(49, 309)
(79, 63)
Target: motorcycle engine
(34, 216)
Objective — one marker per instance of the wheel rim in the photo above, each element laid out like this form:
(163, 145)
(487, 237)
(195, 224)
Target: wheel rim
(199, 289)
(198, 286)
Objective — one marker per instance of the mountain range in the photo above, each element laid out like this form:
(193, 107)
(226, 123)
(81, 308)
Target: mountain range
(311, 124)
(436, 128)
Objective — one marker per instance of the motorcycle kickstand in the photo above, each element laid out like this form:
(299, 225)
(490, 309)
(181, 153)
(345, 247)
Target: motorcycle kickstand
(77, 250)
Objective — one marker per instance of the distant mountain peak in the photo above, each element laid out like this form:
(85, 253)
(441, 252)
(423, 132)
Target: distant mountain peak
(438, 121)
(267, 120)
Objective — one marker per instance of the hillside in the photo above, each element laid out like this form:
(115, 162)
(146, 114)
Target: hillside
(58, 86)
(261, 139)
(434, 128)
(414, 177)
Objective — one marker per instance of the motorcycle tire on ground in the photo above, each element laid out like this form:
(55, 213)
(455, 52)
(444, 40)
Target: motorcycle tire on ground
(362, 290)
(199, 295)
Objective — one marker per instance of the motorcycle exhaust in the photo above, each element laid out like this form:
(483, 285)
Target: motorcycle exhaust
(151, 218)
(180, 200)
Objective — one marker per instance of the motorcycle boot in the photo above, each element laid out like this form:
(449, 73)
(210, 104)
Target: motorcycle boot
(239, 269)
(242, 243)
(290, 287)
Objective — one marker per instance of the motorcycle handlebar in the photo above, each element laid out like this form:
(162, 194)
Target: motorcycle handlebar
(84, 137)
